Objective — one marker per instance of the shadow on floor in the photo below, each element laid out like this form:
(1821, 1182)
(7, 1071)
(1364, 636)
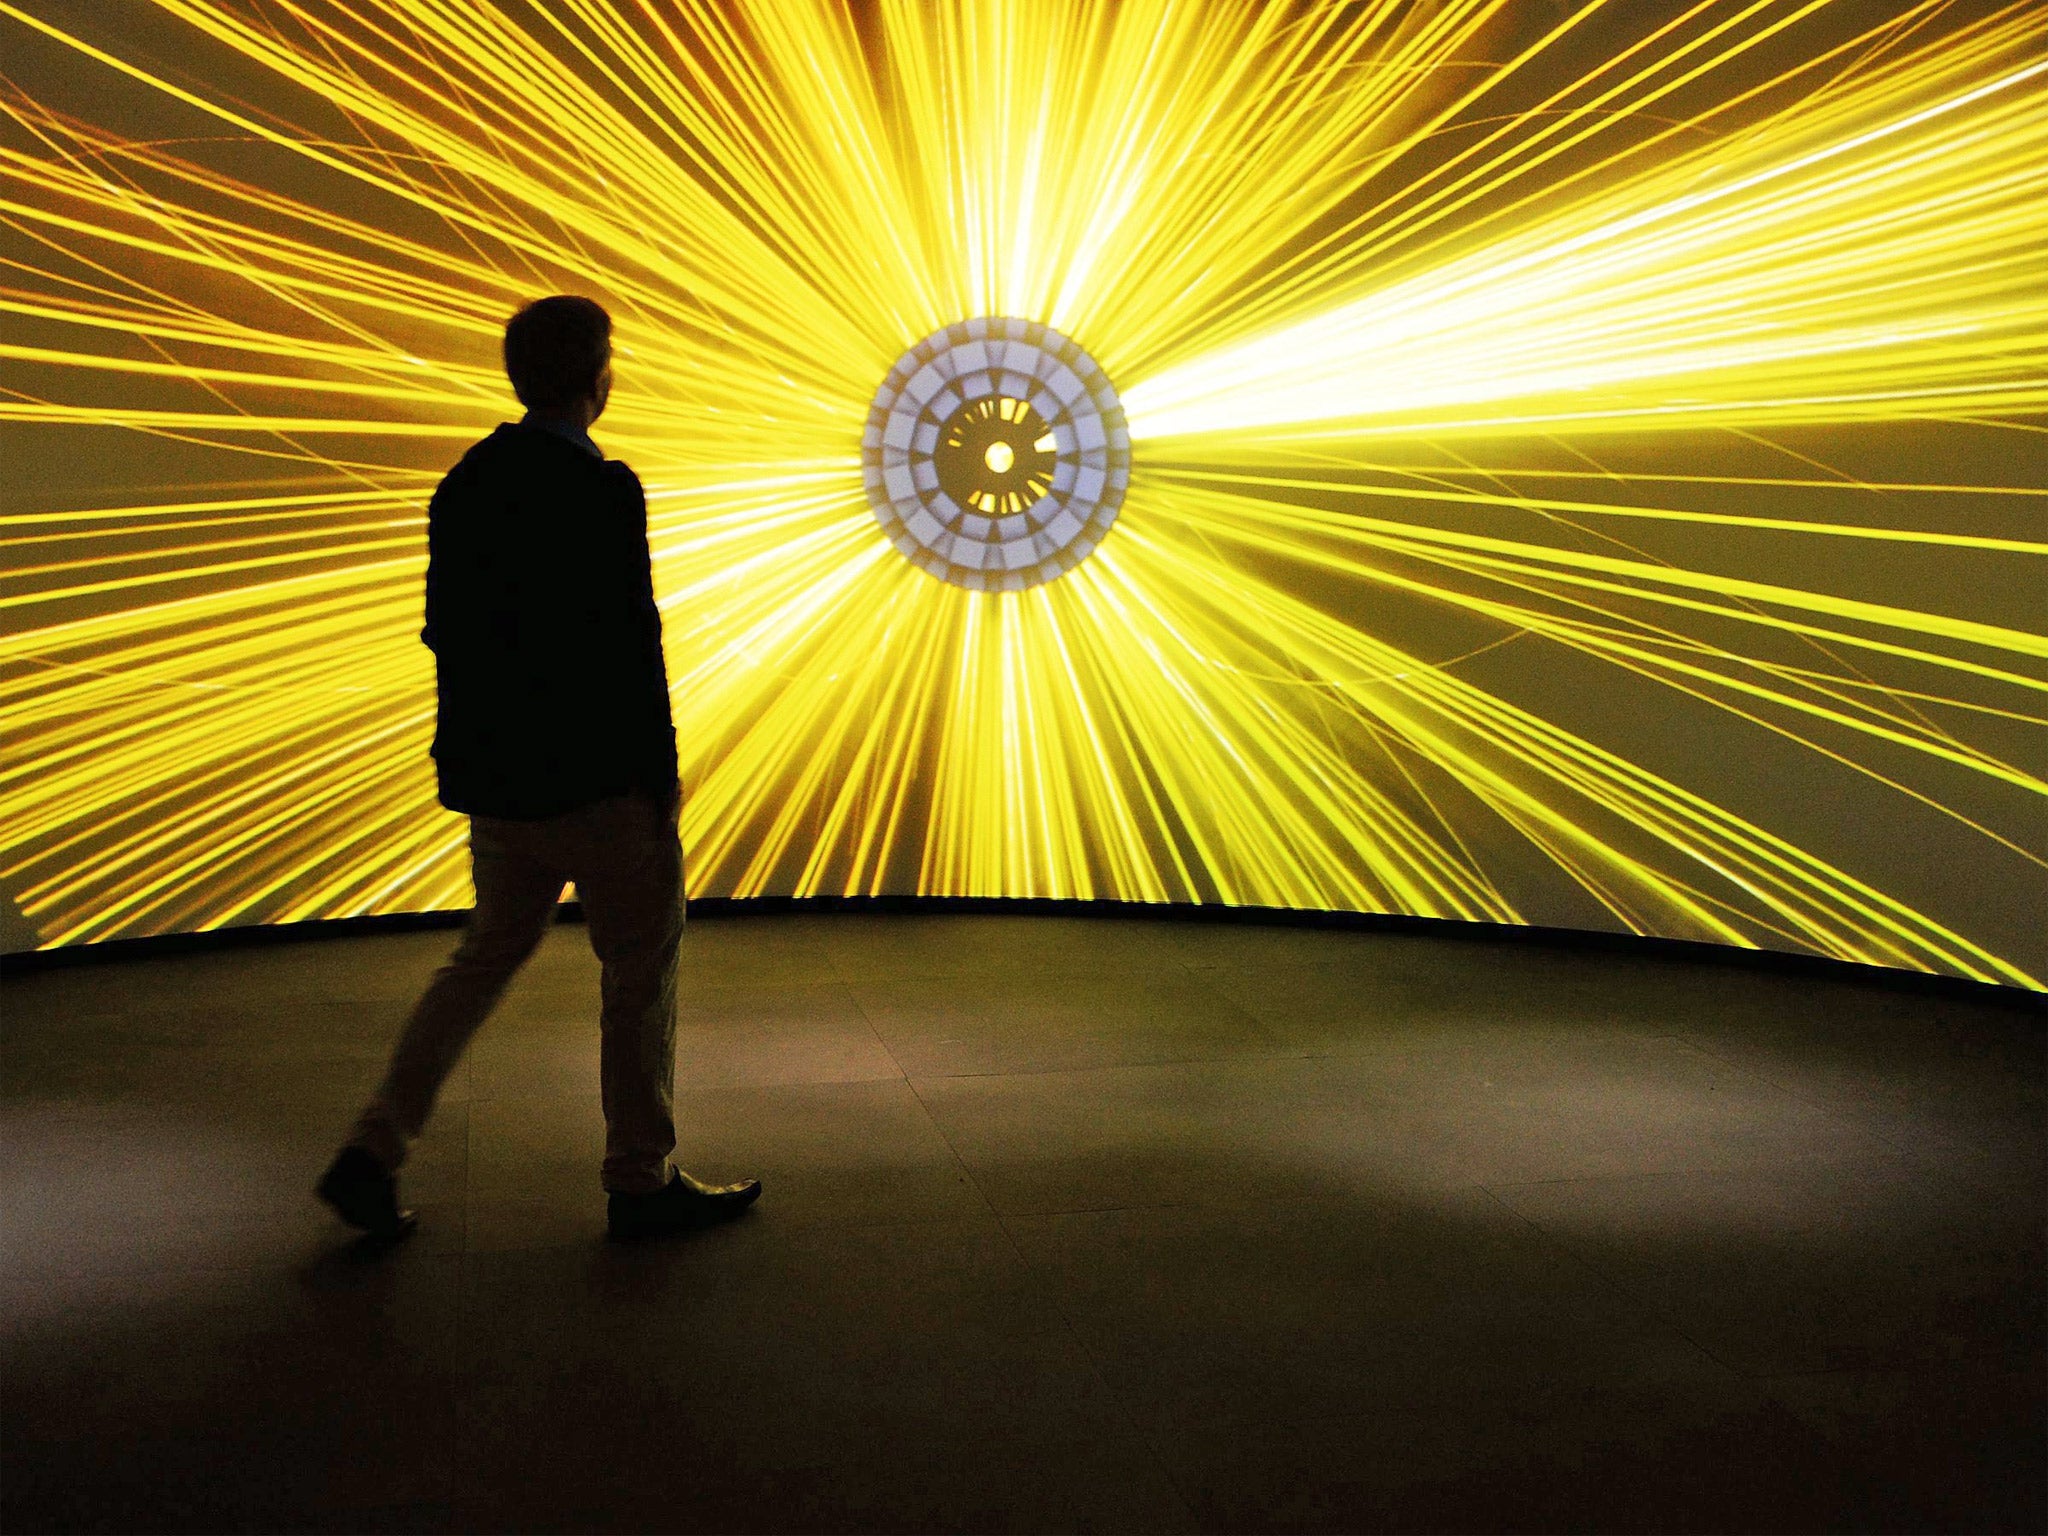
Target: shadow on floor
(1203, 1230)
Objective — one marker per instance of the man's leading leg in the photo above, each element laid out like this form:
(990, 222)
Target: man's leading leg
(632, 890)
(630, 878)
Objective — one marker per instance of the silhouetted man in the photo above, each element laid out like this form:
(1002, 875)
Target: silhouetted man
(555, 739)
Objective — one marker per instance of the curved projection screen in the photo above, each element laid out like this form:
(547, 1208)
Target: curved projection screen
(1581, 464)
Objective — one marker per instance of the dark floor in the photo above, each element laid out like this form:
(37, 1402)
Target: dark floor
(1069, 1225)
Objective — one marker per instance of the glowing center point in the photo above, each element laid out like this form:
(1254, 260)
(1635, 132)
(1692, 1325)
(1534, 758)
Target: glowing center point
(995, 455)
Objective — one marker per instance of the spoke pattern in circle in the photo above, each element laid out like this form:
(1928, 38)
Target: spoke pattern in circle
(996, 455)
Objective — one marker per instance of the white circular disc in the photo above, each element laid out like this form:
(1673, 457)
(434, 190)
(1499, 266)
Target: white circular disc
(996, 454)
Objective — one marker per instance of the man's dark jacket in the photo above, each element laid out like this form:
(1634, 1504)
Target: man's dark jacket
(546, 640)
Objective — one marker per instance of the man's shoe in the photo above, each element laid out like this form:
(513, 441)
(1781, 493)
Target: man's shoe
(684, 1206)
(364, 1195)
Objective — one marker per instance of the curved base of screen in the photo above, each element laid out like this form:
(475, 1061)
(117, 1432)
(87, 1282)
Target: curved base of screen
(717, 908)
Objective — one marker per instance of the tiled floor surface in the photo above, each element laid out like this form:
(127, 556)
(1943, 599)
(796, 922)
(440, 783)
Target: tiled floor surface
(1068, 1225)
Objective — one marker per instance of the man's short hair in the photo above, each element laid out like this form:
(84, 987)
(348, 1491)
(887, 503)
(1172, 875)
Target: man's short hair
(555, 348)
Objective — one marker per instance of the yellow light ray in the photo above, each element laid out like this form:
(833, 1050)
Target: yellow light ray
(1457, 341)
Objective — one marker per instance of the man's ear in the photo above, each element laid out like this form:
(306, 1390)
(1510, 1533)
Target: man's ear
(603, 392)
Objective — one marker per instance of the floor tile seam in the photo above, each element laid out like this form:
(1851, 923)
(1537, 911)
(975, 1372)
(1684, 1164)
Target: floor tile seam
(211, 1053)
(698, 1087)
(1887, 1160)
(1277, 963)
(1489, 1032)
(1115, 1066)
(842, 1009)
(794, 1227)
(1614, 1278)
(1908, 1151)
(1304, 1207)
(1153, 1438)
(594, 1240)
(573, 1097)
(852, 1001)
(1790, 1084)
(1279, 1050)
(1261, 1026)
(928, 1012)
(1428, 1199)
(1048, 1213)
(496, 1099)
(182, 1272)
(931, 1120)
(1497, 1187)
(888, 1050)
(1401, 1051)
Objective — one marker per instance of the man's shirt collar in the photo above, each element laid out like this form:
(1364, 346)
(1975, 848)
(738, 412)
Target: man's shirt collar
(563, 430)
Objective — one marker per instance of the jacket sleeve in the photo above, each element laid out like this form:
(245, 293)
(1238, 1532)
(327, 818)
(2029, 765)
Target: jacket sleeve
(462, 681)
(451, 557)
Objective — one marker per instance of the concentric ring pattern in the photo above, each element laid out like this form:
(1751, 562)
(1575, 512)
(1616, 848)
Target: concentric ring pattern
(1005, 373)
(1586, 461)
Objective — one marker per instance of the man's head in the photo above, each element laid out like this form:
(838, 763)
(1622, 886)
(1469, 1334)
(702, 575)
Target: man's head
(558, 354)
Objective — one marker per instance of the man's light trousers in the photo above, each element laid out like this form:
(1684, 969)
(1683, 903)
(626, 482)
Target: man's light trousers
(625, 858)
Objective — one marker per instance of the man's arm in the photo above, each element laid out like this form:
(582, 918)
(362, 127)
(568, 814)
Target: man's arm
(450, 547)
(431, 629)
(654, 733)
